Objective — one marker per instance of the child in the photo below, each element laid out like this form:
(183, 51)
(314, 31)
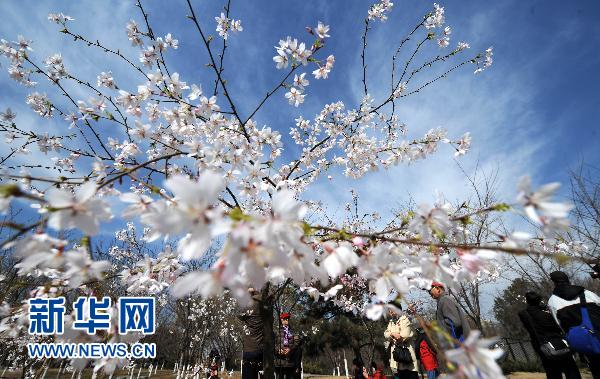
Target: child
(376, 373)
(426, 354)
(359, 370)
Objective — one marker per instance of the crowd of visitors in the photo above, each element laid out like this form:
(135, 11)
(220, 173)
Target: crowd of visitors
(568, 324)
(563, 327)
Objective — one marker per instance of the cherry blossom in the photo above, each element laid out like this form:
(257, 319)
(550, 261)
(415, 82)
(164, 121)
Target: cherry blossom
(225, 24)
(429, 221)
(487, 62)
(444, 40)
(8, 115)
(206, 284)
(40, 104)
(81, 268)
(290, 50)
(379, 10)
(462, 46)
(300, 81)
(322, 30)
(377, 311)
(437, 18)
(385, 272)
(475, 359)
(315, 294)
(192, 212)
(338, 258)
(538, 204)
(171, 42)
(79, 210)
(59, 18)
(463, 145)
(200, 174)
(295, 96)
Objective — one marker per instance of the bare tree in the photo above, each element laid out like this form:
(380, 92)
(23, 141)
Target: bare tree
(585, 194)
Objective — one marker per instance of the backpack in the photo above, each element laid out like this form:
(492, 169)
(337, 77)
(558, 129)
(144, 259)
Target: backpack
(552, 347)
(422, 336)
(582, 338)
(401, 353)
(457, 333)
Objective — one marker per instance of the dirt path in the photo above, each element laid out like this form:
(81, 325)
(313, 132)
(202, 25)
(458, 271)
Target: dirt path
(540, 375)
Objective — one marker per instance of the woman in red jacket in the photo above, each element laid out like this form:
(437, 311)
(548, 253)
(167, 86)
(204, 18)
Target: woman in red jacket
(426, 354)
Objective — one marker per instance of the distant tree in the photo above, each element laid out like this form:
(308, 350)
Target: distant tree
(511, 301)
(585, 194)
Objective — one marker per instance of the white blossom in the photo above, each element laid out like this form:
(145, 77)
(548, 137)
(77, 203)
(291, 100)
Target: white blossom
(538, 205)
(79, 210)
(475, 359)
(59, 18)
(40, 104)
(295, 96)
(322, 30)
(435, 19)
(105, 79)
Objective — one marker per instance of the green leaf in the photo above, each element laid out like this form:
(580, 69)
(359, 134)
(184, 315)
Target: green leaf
(8, 190)
(502, 207)
(306, 228)
(237, 214)
(562, 259)
(466, 220)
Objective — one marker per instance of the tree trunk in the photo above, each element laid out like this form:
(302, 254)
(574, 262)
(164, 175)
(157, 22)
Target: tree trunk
(268, 337)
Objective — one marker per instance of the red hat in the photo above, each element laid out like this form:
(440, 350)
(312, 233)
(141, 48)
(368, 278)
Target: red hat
(437, 284)
(284, 316)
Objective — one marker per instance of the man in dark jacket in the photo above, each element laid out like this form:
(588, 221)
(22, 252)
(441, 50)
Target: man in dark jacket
(543, 328)
(253, 338)
(448, 313)
(566, 308)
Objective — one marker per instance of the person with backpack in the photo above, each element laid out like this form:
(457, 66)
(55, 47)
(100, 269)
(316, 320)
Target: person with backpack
(548, 339)
(400, 338)
(426, 354)
(577, 311)
(448, 314)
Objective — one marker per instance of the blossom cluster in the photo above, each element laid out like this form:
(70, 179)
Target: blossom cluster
(198, 176)
(226, 25)
(379, 10)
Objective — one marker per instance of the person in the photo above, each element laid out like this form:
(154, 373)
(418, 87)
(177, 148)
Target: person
(376, 373)
(359, 371)
(399, 335)
(426, 354)
(214, 361)
(542, 328)
(565, 306)
(448, 314)
(289, 351)
(253, 340)
(214, 371)
(214, 357)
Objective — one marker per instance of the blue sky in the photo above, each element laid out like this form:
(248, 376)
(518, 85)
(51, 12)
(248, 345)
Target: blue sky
(534, 112)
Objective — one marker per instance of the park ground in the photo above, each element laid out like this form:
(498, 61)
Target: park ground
(168, 374)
